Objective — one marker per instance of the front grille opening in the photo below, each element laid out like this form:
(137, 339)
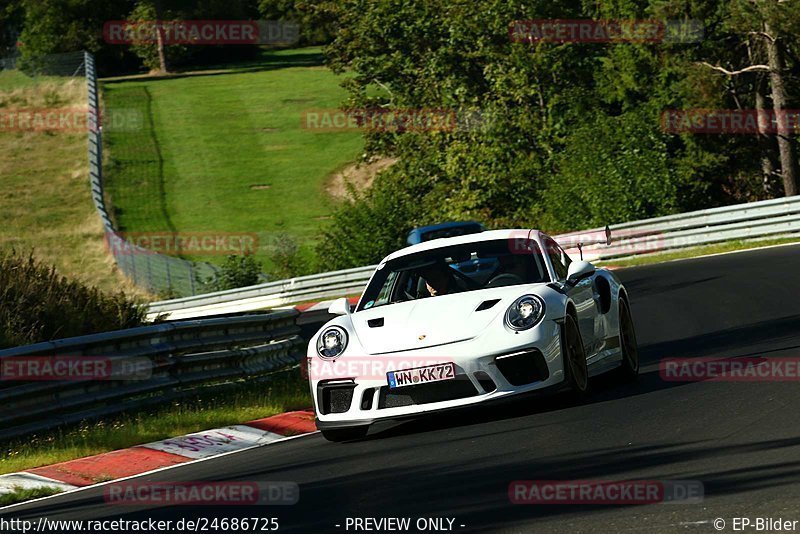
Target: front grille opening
(335, 398)
(485, 381)
(366, 398)
(459, 388)
(523, 368)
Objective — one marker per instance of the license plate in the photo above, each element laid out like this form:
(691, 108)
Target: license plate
(421, 375)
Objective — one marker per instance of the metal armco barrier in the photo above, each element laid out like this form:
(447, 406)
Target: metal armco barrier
(183, 358)
(269, 295)
(767, 218)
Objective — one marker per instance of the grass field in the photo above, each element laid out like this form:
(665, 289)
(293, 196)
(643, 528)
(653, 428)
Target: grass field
(45, 203)
(225, 151)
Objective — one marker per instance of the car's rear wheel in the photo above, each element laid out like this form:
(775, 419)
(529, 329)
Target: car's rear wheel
(346, 434)
(574, 355)
(629, 369)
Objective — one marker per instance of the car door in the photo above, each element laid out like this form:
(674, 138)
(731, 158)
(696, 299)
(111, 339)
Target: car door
(581, 294)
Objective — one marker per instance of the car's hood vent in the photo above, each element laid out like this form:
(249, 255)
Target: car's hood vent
(486, 304)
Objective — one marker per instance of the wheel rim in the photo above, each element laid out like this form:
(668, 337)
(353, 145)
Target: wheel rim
(628, 335)
(574, 355)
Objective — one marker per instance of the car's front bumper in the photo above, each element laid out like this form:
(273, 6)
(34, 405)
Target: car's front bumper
(514, 364)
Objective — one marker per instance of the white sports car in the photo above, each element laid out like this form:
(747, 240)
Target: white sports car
(458, 321)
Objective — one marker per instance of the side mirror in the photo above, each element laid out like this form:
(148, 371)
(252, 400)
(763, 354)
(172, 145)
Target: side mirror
(340, 307)
(578, 270)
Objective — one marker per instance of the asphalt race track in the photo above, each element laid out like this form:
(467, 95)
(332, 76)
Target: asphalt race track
(741, 440)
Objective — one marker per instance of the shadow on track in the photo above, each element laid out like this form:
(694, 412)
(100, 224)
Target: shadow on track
(604, 388)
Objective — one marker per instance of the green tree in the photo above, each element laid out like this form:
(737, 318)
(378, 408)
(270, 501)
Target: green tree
(162, 55)
(57, 26)
(11, 18)
(572, 132)
(764, 33)
(316, 18)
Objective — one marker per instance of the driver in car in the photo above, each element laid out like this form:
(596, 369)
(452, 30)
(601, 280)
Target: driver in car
(437, 280)
(510, 271)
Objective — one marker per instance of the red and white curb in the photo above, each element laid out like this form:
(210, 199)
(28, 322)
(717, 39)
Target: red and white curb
(141, 459)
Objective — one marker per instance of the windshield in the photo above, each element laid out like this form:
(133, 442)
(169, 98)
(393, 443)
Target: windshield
(453, 269)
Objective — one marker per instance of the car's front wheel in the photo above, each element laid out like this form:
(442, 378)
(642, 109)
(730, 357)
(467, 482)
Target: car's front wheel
(574, 355)
(345, 434)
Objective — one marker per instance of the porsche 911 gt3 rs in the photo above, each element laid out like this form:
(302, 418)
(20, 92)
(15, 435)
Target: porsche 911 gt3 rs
(431, 332)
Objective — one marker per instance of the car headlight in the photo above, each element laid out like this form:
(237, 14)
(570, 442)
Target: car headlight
(525, 313)
(332, 342)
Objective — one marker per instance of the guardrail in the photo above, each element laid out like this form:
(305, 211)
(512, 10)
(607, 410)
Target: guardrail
(744, 221)
(269, 295)
(755, 220)
(182, 358)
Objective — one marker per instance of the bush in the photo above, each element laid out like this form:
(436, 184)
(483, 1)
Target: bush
(237, 271)
(37, 304)
(373, 223)
(287, 259)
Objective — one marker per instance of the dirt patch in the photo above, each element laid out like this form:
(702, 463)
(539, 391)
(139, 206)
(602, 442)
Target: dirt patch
(259, 187)
(361, 175)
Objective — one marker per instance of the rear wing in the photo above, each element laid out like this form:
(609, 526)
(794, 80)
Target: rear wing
(578, 240)
(606, 241)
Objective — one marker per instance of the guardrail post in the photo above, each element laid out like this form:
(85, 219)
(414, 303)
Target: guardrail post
(149, 274)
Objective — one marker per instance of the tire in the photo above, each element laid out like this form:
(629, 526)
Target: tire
(629, 370)
(574, 356)
(339, 435)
